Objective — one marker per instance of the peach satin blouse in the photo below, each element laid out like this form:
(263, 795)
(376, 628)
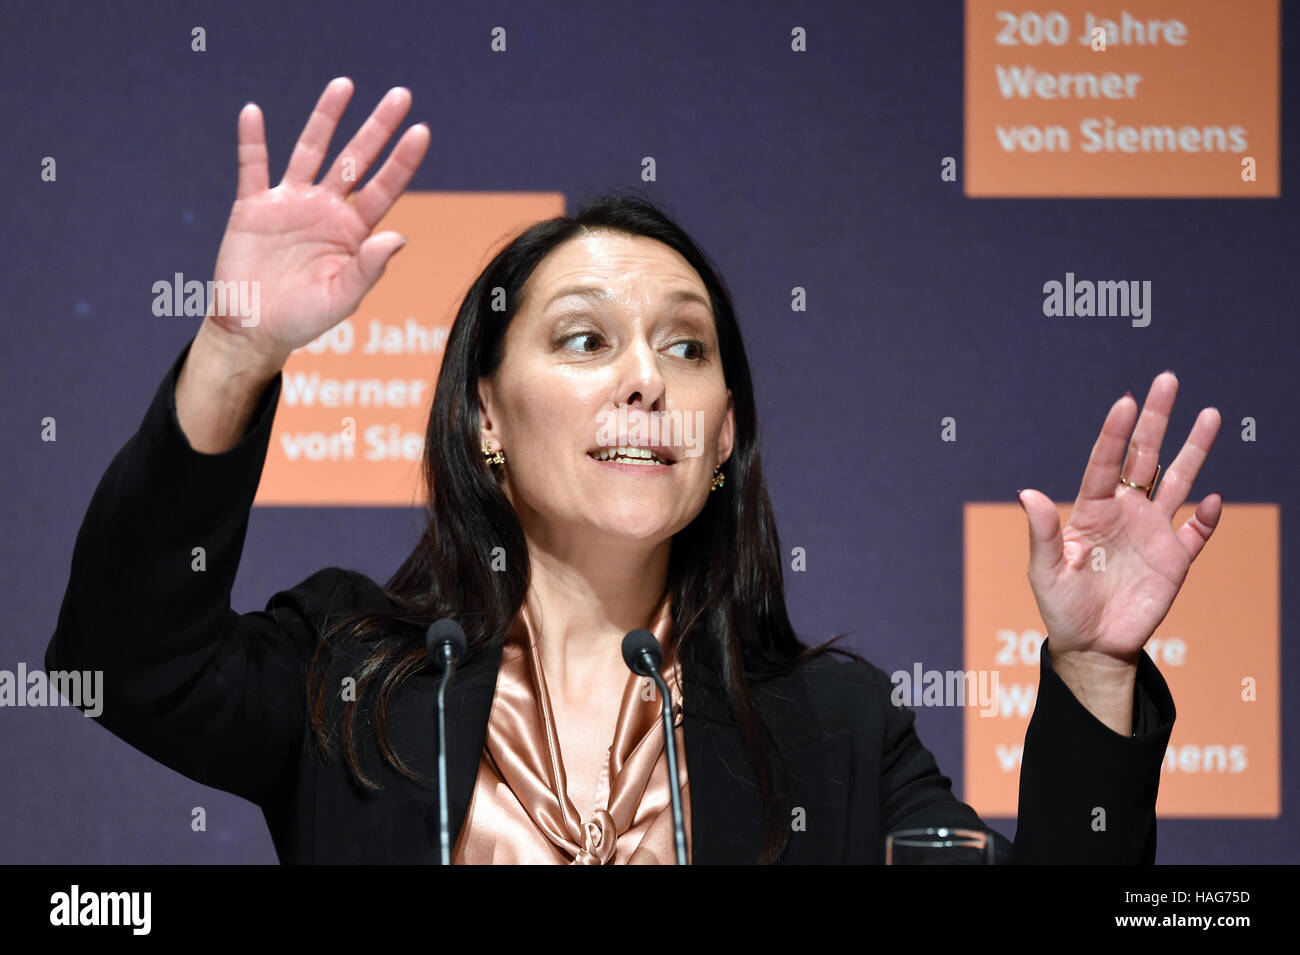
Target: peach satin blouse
(520, 811)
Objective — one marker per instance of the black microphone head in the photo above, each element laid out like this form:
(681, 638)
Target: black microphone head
(444, 631)
(636, 644)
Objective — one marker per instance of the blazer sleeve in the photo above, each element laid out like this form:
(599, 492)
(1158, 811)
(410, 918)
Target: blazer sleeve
(1072, 765)
(1088, 794)
(213, 694)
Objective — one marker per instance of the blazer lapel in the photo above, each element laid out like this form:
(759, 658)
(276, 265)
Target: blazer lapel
(469, 704)
(726, 806)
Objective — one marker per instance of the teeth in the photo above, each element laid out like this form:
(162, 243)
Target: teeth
(628, 455)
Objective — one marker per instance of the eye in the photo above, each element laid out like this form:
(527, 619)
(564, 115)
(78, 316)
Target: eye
(588, 342)
(696, 350)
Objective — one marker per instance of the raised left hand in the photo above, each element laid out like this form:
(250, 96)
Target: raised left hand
(1105, 617)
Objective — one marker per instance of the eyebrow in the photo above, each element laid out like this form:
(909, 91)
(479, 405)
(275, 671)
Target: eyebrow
(674, 297)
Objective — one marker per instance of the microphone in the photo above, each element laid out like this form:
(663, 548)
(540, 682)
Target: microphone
(644, 657)
(444, 642)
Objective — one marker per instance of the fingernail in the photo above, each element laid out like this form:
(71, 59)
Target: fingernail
(1128, 394)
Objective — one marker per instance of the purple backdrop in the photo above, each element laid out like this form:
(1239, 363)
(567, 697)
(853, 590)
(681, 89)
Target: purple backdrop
(819, 170)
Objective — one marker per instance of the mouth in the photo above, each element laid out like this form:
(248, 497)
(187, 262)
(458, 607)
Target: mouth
(633, 456)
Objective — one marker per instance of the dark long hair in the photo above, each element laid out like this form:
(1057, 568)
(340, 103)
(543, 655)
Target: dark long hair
(725, 567)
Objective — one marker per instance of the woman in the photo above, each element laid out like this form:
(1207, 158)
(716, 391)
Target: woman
(547, 540)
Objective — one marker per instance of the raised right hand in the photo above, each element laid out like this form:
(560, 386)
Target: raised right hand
(307, 244)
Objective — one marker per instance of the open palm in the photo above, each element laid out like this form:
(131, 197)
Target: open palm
(1106, 580)
(308, 245)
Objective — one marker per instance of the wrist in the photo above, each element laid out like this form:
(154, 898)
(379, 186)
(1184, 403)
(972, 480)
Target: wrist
(217, 390)
(1102, 684)
(233, 355)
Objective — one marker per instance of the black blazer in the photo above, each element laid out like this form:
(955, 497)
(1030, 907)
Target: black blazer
(221, 697)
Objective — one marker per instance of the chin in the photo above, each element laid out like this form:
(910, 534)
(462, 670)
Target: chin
(636, 527)
(637, 534)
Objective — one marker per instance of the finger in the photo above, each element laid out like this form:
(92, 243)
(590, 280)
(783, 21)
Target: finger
(1144, 447)
(374, 201)
(251, 152)
(361, 150)
(372, 259)
(1046, 545)
(1102, 473)
(309, 153)
(1176, 482)
(1198, 528)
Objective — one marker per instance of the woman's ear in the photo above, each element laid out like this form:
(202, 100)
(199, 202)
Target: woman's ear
(485, 415)
(727, 435)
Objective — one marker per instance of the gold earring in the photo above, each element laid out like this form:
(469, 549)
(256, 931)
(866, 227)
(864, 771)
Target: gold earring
(493, 457)
(719, 478)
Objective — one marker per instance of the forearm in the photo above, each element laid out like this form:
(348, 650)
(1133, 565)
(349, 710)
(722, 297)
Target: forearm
(218, 388)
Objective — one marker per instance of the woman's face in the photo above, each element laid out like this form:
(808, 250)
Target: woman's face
(613, 348)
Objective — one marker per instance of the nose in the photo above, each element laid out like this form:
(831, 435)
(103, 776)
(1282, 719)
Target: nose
(640, 381)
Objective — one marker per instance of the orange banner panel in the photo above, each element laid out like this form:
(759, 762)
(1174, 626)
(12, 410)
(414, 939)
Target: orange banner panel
(1140, 98)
